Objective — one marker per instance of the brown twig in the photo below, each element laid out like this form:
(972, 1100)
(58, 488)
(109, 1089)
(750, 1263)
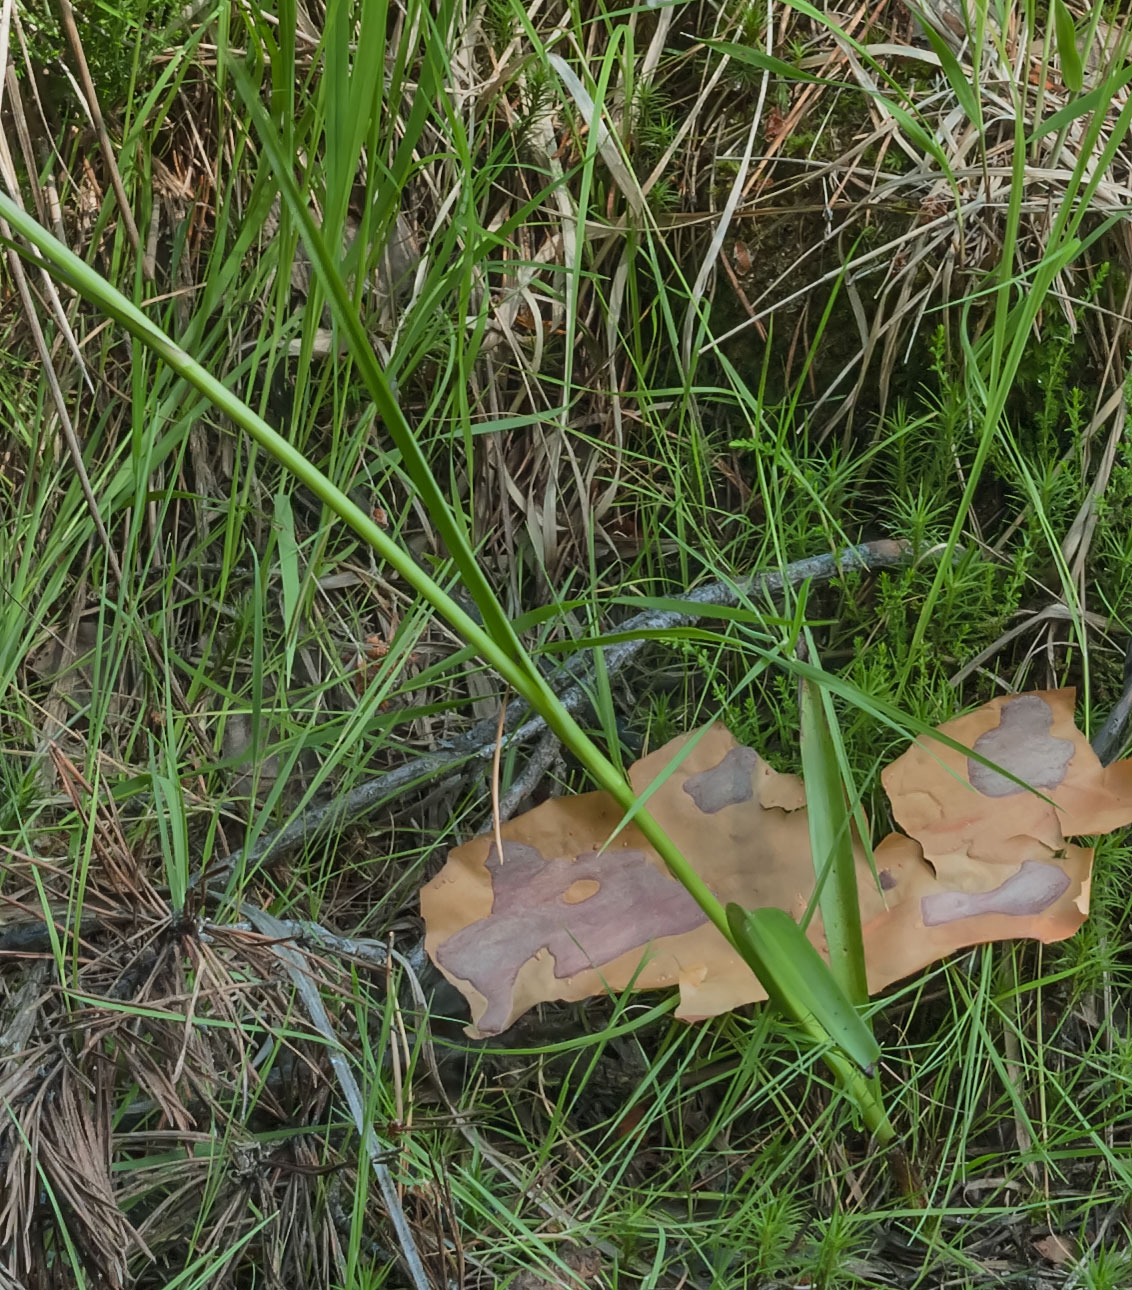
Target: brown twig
(67, 16)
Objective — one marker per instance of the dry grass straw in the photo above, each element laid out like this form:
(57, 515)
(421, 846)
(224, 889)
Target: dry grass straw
(935, 222)
(160, 1083)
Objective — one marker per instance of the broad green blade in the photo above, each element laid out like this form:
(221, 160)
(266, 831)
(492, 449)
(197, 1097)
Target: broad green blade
(799, 981)
(1072, 73)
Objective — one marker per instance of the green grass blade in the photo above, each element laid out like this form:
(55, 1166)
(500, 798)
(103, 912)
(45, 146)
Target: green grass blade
(452, 531)
(500, 648)
(509, 660)
(1072, 73)
(1096, 98)
(797, 979)
(831, 843)
(956, 77)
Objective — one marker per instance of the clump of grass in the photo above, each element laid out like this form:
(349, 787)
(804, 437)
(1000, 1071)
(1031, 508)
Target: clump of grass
(244, 655)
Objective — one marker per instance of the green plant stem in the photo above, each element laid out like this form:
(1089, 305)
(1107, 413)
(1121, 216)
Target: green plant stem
(513, 664)
(518, 672)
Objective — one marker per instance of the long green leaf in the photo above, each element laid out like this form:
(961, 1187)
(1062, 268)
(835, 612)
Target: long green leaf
(1096, 98)
(798, 980)
(765, 62)
(508, 659)
(1072, 73)
(452, 531)
(964, 91)
(831, 844)
(494, 639)
(768, 63)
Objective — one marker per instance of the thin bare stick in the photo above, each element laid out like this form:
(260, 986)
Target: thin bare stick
(298, 970)
(67, 16)
(448, 765)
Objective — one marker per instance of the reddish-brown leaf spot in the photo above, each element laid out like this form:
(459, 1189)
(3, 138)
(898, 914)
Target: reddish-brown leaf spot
(630, 903)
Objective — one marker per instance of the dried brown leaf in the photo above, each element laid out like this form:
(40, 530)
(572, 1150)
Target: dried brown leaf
(566, 913)
(553, 920)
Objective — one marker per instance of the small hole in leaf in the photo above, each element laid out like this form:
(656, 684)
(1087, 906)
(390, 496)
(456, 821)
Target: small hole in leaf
(581, 890)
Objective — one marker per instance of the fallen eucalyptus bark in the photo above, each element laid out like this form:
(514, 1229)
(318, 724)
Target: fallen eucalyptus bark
(572, 683)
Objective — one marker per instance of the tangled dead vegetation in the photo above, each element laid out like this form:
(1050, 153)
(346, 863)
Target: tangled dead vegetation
(168, 1106)
(969, 121)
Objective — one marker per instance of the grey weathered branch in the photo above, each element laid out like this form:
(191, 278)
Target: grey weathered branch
(1111, 737)
(478, 744)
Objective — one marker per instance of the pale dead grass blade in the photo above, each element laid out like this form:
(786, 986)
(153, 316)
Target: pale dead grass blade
(1059, 613)
(1077, 541)
(956, 227)
(299, 972)
(65, 680)
(730, 206)
(606, 145)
